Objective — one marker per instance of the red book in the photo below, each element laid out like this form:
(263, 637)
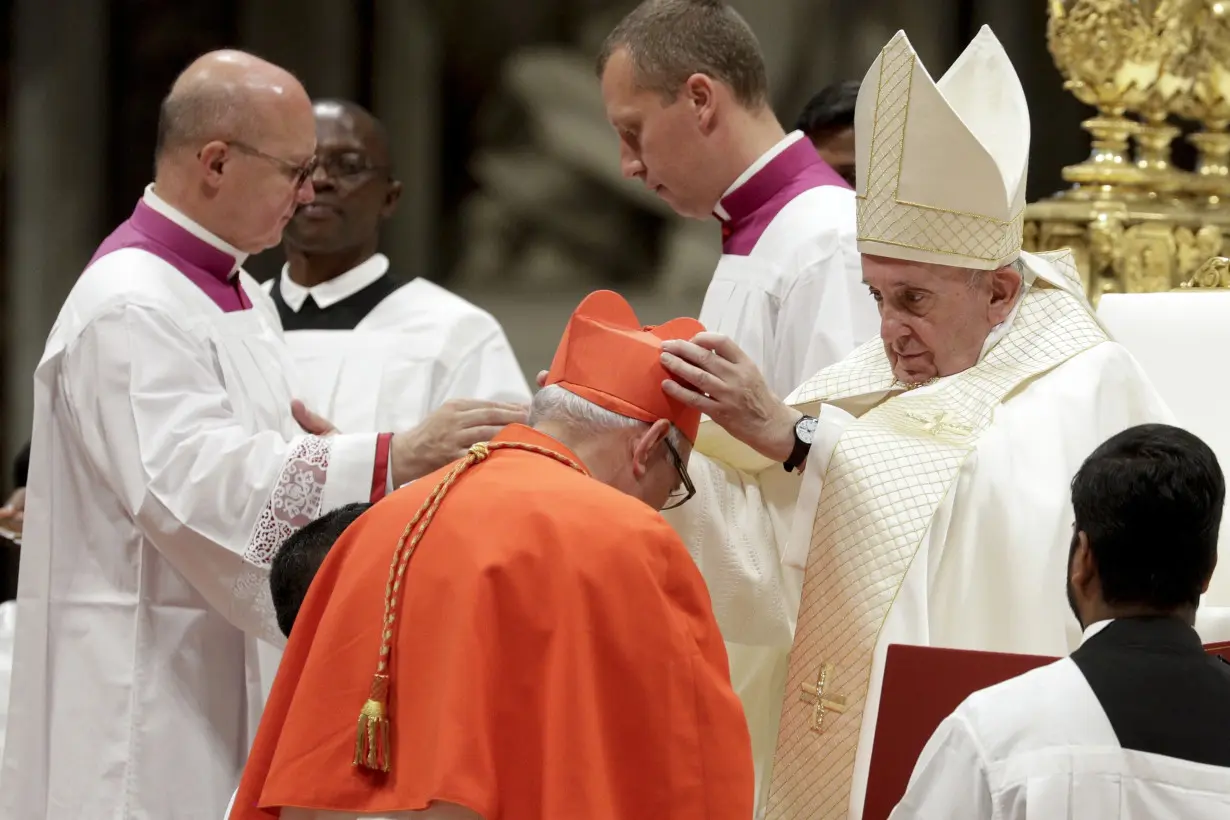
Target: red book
(922, 686)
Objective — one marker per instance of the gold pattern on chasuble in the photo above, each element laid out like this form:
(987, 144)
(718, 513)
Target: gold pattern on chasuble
(888, 474)
(884, 217)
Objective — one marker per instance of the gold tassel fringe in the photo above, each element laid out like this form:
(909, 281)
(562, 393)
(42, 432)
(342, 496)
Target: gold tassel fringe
(371, 744)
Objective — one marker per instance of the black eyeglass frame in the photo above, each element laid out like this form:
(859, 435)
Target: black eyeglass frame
(688, 486)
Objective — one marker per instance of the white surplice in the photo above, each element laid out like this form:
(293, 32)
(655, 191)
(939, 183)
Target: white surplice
(165, 471)
(795, 304)
(1040, 747)
(420, 347)
(988, 573)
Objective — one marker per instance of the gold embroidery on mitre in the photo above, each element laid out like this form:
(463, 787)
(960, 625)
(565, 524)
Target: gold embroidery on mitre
(891, 470)
(885, 218)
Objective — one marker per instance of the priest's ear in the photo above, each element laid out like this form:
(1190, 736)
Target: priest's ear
(212, 158)
(701, 92)
(647, 446)
(392, 196)
(1005, 288)
(1082, 569)
(1208, 579)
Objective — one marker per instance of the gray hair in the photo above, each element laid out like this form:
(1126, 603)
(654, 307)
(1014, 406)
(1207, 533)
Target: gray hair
(558, 404)
(975, 274)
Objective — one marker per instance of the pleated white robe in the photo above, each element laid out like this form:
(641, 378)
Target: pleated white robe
(1040, 747)
(165, 471)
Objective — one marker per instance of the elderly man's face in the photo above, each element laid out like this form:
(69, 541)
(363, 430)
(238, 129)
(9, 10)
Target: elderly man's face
(934, 319)
(272, 178)
(661, 144)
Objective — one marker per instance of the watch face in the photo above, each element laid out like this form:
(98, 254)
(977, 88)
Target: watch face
(805, 429)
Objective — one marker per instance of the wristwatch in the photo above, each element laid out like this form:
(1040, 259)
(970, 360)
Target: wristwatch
(804, 432)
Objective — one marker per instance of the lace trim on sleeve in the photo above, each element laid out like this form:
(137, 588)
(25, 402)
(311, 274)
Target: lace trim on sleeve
(295, 501)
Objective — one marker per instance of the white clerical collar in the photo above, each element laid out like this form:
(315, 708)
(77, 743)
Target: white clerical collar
(336, 289)
(1095, 628)
(755, 168)
(177, 216)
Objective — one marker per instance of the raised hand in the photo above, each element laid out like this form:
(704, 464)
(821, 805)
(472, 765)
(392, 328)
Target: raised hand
(720, 380)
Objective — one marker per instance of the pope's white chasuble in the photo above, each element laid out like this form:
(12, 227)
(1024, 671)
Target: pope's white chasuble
(866, 535)
(937, 516)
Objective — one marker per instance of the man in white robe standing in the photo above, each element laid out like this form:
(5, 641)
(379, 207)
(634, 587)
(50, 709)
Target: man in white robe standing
(685, 86)
(374, 353)
(1136, 723)
(167, 467)
(927, 510)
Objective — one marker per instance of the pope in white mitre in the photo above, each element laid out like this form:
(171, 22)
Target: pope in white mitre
(924, 498)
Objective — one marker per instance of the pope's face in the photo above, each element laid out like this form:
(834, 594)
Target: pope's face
(934, 319)
(661, 143)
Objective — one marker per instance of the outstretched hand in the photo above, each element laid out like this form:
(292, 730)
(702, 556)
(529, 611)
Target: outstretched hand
(312, 423)
(448, 433)
(722, 381)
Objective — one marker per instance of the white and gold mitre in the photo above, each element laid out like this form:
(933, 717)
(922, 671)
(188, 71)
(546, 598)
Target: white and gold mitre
(941, 166)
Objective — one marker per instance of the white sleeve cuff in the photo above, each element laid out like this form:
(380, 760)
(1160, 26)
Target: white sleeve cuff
(352, 462)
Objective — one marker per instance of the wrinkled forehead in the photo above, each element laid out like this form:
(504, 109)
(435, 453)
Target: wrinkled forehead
(883, 273)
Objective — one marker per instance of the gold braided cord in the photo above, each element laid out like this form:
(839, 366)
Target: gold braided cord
(372, 741)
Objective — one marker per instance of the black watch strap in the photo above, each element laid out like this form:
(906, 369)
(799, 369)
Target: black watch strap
(798, 454)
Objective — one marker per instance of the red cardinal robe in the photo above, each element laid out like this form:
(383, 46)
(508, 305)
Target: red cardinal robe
(555, 657)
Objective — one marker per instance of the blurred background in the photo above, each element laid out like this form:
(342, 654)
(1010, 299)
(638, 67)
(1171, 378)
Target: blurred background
(513, 197)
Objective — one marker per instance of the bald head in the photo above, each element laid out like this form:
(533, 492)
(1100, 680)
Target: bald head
(226, 95)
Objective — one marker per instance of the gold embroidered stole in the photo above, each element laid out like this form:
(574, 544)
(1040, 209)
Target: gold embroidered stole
(888, 474)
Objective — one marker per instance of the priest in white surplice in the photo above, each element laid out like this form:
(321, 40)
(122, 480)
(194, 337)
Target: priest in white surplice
(1135, 725)
(700, 133)
(167, 466)
(930, 509)
(788, 290)
(375, 353)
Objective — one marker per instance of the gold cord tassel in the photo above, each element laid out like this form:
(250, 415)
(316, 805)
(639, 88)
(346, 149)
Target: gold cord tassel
(371, 743)
(373, 736)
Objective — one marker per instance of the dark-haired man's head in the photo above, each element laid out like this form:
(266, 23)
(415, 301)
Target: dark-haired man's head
(685, 87)
(1148, 507)
(828, 121)
(298, 560)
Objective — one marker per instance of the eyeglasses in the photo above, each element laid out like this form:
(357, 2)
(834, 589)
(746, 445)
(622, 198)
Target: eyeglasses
(347, 165)
(298, 172)
(684, 492)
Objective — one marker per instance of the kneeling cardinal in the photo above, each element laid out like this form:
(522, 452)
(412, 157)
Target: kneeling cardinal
(520, 636)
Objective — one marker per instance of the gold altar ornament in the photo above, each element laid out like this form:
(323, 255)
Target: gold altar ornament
(1212, 275)
(1134, 221)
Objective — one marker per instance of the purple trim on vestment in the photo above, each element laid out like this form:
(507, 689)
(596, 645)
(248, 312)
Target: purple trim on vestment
(757, 202)
(209, 268)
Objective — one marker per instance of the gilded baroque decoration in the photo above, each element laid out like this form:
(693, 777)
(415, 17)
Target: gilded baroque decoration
(1135, 222)
(1215, 273)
